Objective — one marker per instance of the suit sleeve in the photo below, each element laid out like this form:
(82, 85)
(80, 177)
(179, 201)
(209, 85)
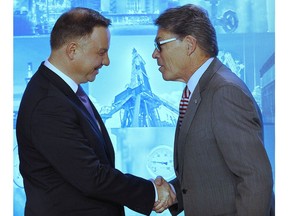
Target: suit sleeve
(238, 130)
(59, 133)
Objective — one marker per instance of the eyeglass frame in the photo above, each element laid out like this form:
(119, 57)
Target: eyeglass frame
(158, 44)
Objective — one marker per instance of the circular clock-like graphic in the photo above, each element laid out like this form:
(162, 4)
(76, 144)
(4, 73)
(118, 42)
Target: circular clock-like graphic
(160, 162)
(17, 178)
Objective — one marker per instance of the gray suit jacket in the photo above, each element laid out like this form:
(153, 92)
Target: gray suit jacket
(220, 161)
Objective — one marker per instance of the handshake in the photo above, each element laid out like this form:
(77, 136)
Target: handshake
(166, 195)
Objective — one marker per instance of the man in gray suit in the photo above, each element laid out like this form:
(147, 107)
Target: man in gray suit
(220, 161)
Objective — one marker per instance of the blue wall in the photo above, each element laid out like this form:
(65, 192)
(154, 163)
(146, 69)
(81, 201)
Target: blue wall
(246, 41)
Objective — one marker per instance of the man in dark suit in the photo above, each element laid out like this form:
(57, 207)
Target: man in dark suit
(66, 155)
(220, 161)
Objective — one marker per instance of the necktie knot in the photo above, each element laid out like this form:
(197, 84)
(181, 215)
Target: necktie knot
(84, 99)
(80, 92)
(184, 104)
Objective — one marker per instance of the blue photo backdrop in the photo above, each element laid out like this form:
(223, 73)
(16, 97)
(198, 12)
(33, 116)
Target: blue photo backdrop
(246, 39)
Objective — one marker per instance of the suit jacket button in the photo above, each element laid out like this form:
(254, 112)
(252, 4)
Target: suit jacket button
(184, 191)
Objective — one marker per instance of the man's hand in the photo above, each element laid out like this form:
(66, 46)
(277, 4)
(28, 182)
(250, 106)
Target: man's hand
(166, 196)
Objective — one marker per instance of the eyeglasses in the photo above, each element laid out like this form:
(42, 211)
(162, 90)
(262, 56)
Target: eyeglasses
(158, 44)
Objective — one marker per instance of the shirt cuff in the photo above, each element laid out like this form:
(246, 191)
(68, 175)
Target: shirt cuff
(172, 188)
(156, 194)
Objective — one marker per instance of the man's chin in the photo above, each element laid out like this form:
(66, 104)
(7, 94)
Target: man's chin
(165, 77)
(91, 78)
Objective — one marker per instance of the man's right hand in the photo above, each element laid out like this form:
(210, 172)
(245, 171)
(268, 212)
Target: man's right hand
(166, 196)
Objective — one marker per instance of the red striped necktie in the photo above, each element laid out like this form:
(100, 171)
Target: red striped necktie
(183, 104)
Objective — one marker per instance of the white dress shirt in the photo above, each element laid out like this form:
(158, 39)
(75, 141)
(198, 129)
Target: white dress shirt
(194, 79)
(73, 85)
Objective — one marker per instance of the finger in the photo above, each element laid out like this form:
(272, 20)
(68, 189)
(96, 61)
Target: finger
(160, 210)
(159, 205)
(156, 203)
(162, 204)
(172, 197)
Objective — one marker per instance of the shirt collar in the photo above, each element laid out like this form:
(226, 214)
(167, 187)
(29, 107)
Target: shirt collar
(194, 79)
(73, 85)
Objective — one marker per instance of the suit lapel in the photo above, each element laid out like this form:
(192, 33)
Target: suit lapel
(108, 144)
(194, 103)
(191, 110)
(67, 91)
(102, 134)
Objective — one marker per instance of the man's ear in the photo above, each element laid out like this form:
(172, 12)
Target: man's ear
(71, 50)
(191, 44)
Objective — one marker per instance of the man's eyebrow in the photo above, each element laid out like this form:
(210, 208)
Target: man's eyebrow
(103, 50)
(157, 38)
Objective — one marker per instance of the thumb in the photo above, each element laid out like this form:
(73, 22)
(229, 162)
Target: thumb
(159, 180)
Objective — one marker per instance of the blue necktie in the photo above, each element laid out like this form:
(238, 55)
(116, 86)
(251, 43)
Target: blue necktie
(85, 100)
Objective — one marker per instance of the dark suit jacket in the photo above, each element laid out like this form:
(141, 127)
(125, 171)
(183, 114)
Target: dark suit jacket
(220, 161)
(66, 163)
